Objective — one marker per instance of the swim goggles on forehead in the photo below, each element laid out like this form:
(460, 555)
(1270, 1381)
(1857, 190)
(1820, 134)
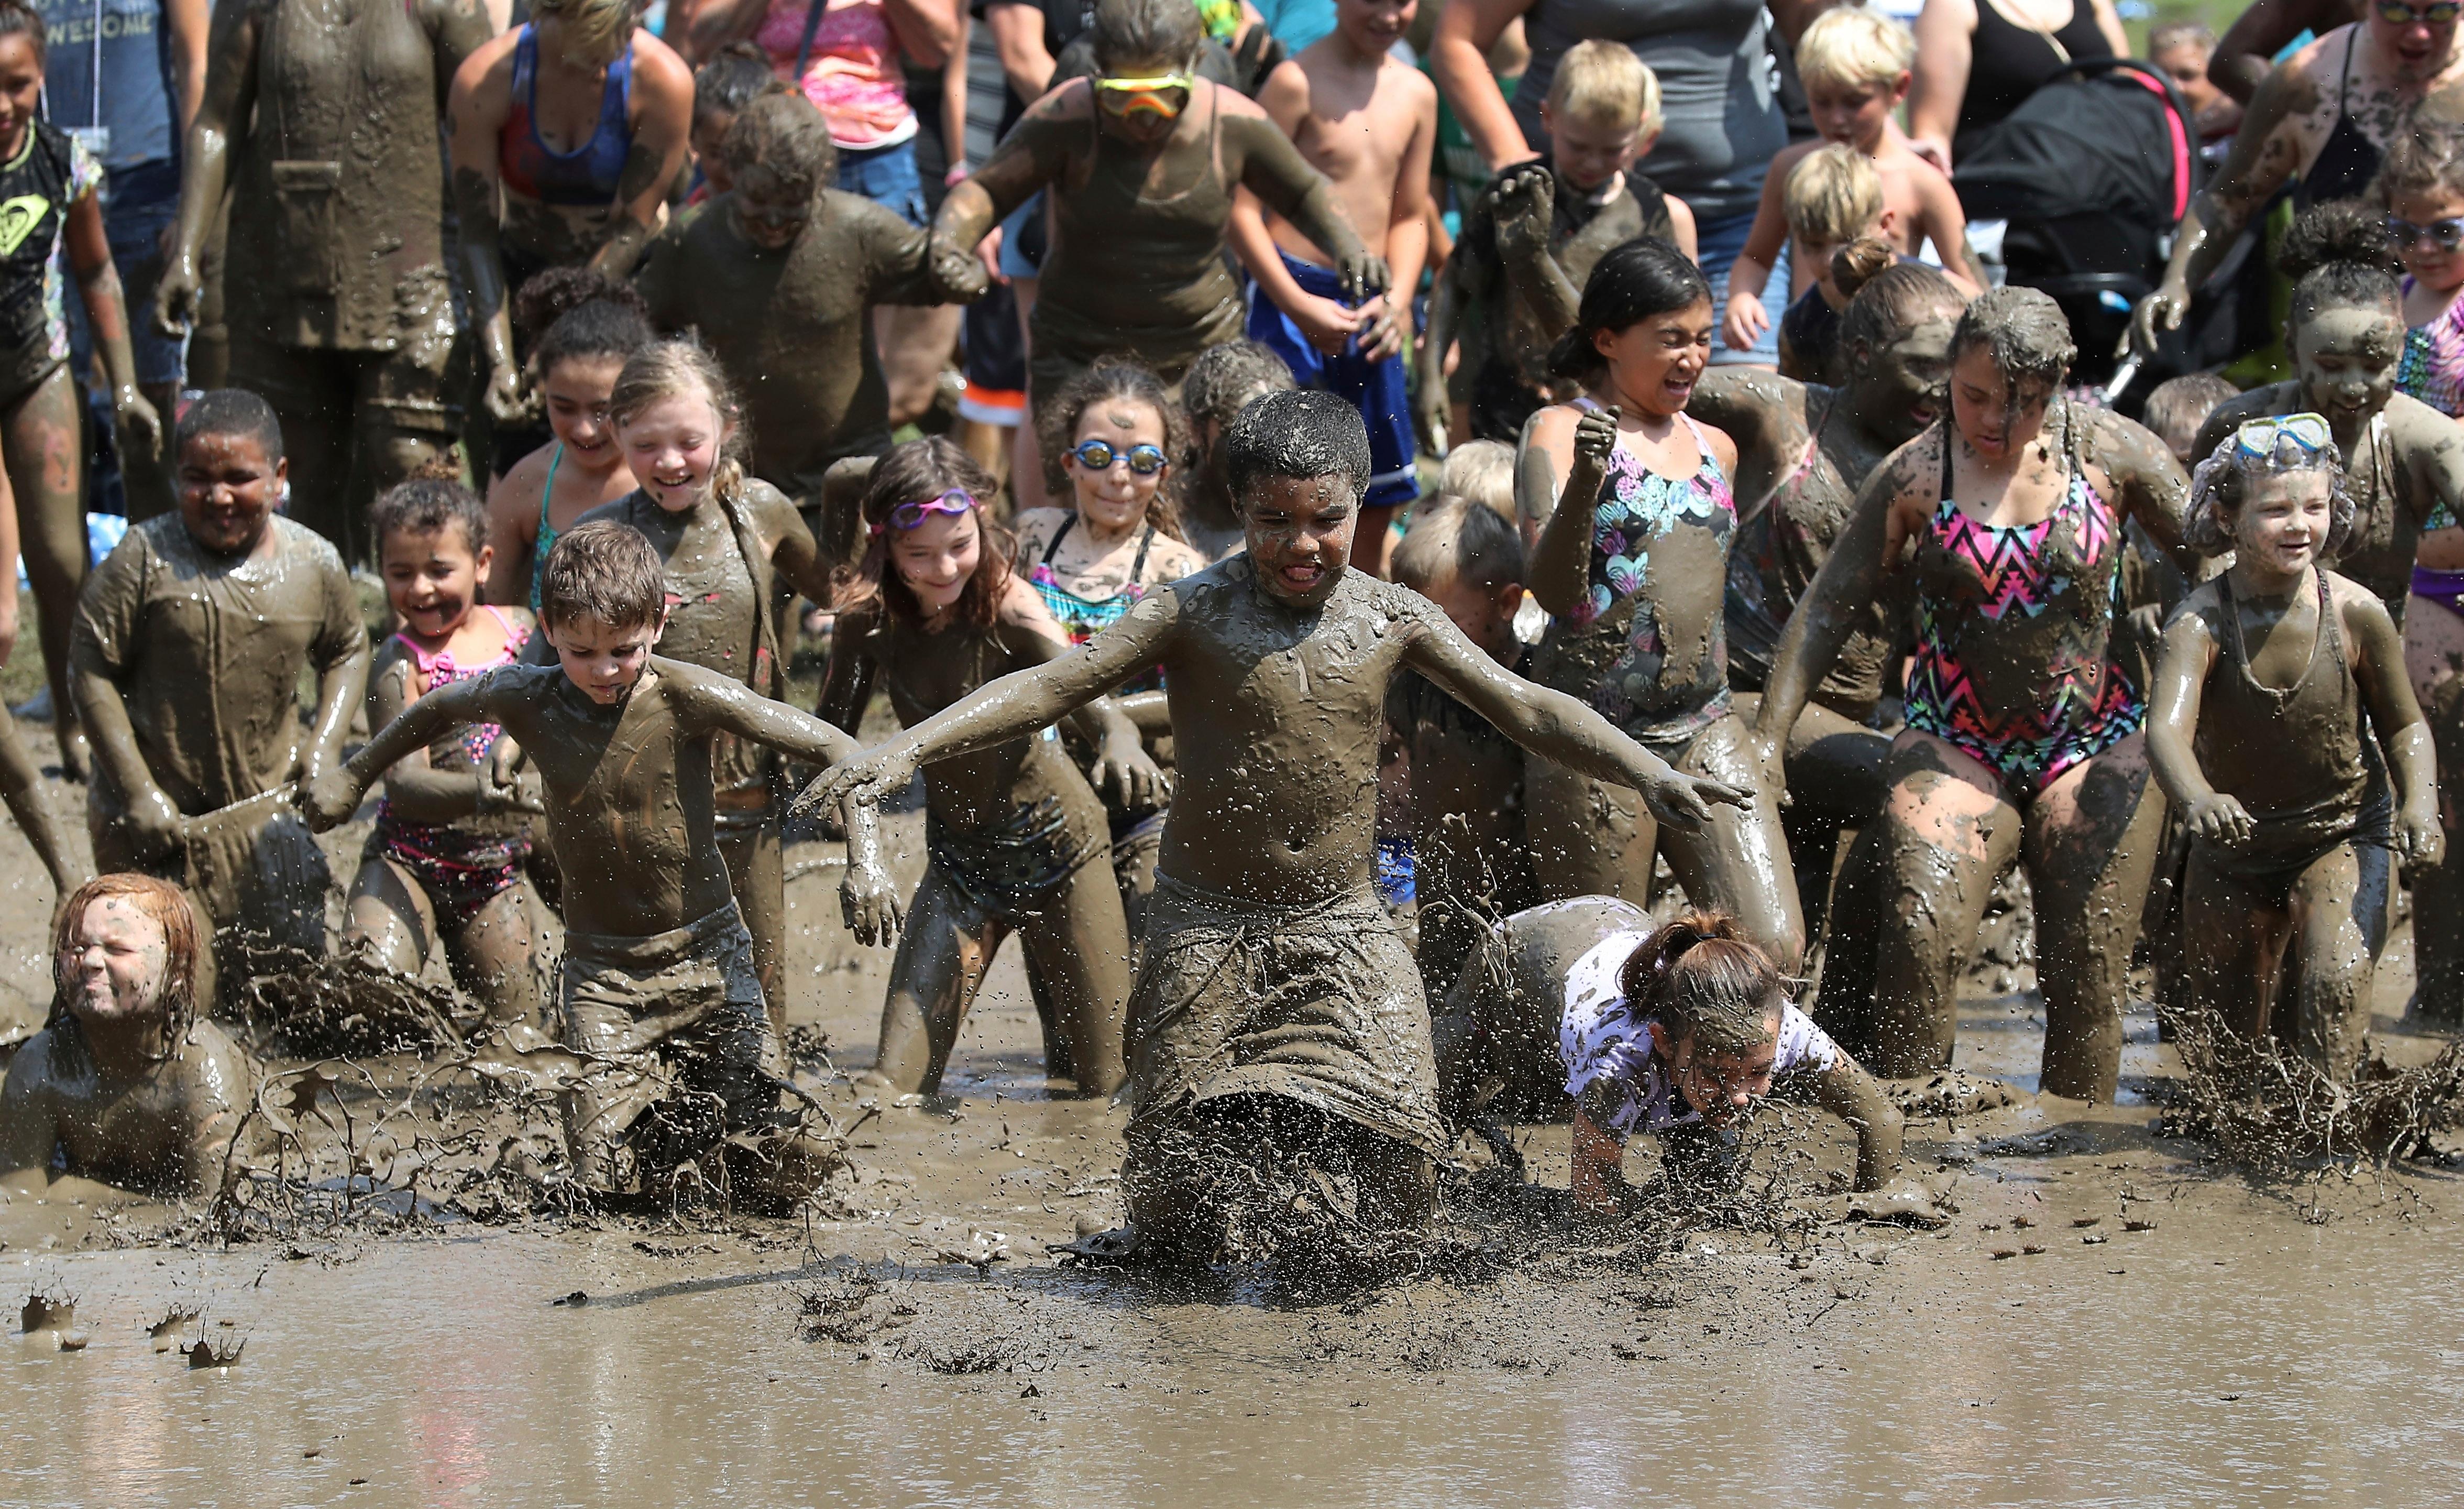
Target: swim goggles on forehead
(2438, 12)
(2261, 439)
(1098, 455)
(2446, 235)
(906, 515)
(1165, 95)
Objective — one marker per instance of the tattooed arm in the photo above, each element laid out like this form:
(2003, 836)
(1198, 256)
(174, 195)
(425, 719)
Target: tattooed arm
(663, 92)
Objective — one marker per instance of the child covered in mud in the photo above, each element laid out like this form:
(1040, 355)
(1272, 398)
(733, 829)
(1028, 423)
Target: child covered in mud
(658, 984)
(1016, 837)
(21, 785)
(446, 858)
(581, 467)
(2275, 677)
(1221, 383)
(780, 276)
(1277, 1015)
(189, 644)
(1141, 161)
(1631, 561)
(1109, 438)
(127, 1083)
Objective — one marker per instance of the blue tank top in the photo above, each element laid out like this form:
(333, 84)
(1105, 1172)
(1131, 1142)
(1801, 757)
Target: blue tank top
(588, 174)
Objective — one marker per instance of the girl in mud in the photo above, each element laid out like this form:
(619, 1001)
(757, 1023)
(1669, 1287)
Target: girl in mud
(447, 853)
(1682, 1032)
(1631, 563)
(50, 183)
(547, 492)
(2022, 737)
(1108, 436)
(2268, 674)
(1014, 833)
(725, 538)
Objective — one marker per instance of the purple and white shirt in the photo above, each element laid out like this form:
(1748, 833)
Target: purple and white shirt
(1607, 1046)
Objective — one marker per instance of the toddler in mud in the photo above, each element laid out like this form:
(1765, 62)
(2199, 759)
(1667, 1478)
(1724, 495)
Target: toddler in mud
(2275, 677)
(659, 985)
(1278, 1019)
(188, 646)
(446, 856)
(125, 1083)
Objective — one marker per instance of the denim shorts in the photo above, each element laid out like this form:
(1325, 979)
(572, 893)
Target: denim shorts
(1717, 246)
(886, 175)
(133, 221)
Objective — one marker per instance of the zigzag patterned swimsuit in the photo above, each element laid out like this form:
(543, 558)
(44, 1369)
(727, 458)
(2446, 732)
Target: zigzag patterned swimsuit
(2014, 627)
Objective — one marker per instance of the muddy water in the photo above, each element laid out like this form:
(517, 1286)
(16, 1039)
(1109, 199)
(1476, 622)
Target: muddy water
(2235, 1353)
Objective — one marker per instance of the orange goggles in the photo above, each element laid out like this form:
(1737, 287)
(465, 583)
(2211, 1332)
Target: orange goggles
(1166, 95)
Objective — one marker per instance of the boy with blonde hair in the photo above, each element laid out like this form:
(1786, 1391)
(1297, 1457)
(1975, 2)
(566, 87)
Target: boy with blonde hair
(1477, 471)
(1834, 198)
(1856, 65)
(1529, 243)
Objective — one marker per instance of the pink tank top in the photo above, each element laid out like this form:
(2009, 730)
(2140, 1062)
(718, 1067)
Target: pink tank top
(853, 75)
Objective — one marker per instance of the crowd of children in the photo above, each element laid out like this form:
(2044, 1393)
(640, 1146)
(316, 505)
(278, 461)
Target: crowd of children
(1199, 698)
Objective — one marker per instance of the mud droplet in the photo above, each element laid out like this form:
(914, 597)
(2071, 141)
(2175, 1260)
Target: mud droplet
(577, 1299)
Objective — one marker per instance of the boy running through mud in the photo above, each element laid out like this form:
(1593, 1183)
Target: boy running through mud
(1277, 1009)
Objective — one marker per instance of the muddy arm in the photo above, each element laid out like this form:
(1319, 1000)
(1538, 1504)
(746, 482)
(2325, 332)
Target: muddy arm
(1753, 407)
(335, 794)
(709, 699)
(2246, 54)
(1029, 158)
(1272, 168)
(652, 163)
(29, 1130)
(1559, 573)
(2265, 153)
(89, 251)
(2182, 668)
(1848, 1093)
(99, 654)
(1598, 1179)
(1429, 381)
(1841, 597)
(2395, 715)
(1149, 711)
(414, 788)
(1121, 758)
(2154, 489)
(473, 121)
(343, 683)
(228, 101)
(846, 682)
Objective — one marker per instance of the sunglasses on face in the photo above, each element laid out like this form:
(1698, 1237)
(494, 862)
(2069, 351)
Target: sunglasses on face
(2438, 12)
(2446, 235)
(2261, 438)
(1098, 455)
(906, 515)
(1165, 95)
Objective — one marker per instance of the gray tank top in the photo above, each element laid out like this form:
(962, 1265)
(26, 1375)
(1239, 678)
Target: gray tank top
(1713, 58)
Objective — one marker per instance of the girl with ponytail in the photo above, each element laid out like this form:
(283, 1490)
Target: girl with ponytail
(1684, 1032)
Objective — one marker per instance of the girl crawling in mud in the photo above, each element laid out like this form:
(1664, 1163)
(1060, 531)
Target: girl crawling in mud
(2274, 678)
(1017, 837)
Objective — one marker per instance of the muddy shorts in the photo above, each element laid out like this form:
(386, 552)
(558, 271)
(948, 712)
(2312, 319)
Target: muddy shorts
(1005, 870)
(1319, 1004)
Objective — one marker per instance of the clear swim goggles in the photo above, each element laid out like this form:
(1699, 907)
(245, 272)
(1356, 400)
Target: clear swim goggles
(1098, 455)
(2268, 439)
(1166, 95)
(906, 515)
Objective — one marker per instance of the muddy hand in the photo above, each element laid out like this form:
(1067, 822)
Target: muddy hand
(500, 787)
(870, 779)
(1258, 54)
(1596, 436)
(2424, 843)
(1137, 779)
(2220, 819)
(329, 801)
(2158, 313)
(153, 825)
(139, 423)
(1364, 272)
(1684, 801)
(175, 297)
(961, 272)
(505, 403)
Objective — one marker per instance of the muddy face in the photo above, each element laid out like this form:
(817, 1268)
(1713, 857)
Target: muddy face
(673, 446)
(1722, 1086)
(2347, 359)
(937, 558)
(1116, 500)
(2432, 265)
(603, 659)
(1996, 417)
(576, 393)
(228, 490)
(1898, 390)
(1654, 363)
(2282, 521)
(2415, 48)
(432, 577)
(1147, 116)
(708, 130)
(771, 209)
(1300, 532)
(116, 963)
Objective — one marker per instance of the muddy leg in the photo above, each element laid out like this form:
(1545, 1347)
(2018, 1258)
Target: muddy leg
(46, 463)
(1588, 837)
(2092, 840)
(1845, 1007)
(2338, 906)
(2438, 890)
(2235, 929)
(757, 869)
(1738, 862)
(1946, 831)
(941, 963)
(21, 788)
(916, 341)
(496, 955)
(1082, 954)
(390, 916)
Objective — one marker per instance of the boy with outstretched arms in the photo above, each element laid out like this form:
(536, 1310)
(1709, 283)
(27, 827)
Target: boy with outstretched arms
(1277, 1006)
(658, 971)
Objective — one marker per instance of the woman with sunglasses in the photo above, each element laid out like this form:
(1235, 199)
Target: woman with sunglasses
(2320, 121)
(1014, 834)
(1109, 438)
(2023, 733)
(2273, 680)
(1140, 162)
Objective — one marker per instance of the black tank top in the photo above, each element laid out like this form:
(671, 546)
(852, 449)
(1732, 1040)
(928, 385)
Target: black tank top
(35, 191)
(2007, 62)
(2349, 160)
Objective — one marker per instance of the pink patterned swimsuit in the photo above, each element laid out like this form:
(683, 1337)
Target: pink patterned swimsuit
(462, 868)
(2061, 698)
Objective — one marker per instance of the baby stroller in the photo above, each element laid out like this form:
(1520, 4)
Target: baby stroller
(2093, 174)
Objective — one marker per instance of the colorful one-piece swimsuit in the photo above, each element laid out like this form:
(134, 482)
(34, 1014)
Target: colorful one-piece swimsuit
(2053, 580)
(1082, 618)
(2432, 370)
(462, 869)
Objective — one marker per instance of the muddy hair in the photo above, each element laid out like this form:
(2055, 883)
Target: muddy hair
(428, 505)
(228, 412)
(2178, 409)
(736, 76)
(1643, 278)
(1703, 981)
(1885, 303)
(1221, 383)
(1111, 381)
(2024, 332)
(669, 368)
(606, 572)
(545, 298)
(2221, 486)
(159, 900)
(1301, 433)
(2425, 160)
(1146, 31)
(783, 135)
(2337, 255)
(598, 331)
(914, 471)
(20, 19)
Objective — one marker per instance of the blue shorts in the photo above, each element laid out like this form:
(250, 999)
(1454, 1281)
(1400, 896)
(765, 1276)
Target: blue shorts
(138, 204)
(888, 176)
(1022, 248)
(1377, 389)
